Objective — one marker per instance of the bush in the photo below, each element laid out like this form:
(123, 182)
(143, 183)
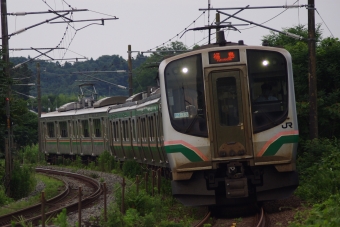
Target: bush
(106, 162)
(61, 219)
(114, 217)
(311, 151)
(22, 181)
(31, 155)
(78, 163)
(141, 209)
(132, 169)
(3, 197)
(324, 214)
(319, 169)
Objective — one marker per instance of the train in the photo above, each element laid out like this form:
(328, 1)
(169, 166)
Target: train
(223, 121)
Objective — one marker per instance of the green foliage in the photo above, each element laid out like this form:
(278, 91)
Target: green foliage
(22, 181)
(21, 221)
(106, 162)
(141, 209)
(20, 125)
(3, 197)
(31, 155)
(24, 123)
(26, 134)
(132, 218)
(278, 39)
(114, 217)
(78, 163)
(319, 167)
(324, 214)
(52, 74)
(61, 219)
(131, 169)
(146, 74)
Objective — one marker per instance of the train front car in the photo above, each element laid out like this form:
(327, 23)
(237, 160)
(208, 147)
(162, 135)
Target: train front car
(230, 125)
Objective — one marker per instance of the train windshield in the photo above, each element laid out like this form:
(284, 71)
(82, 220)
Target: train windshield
(268, 84)
(185, 95)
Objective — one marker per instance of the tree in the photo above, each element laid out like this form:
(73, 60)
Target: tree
(146, 74)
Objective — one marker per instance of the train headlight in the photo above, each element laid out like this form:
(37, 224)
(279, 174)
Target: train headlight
(185, 70)
(265, 62)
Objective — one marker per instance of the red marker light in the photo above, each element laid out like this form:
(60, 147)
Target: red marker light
(7, 99)
(217, 57)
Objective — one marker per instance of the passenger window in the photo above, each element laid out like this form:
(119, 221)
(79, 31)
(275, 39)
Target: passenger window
(227, 101)
(97, 127)
(50, 129)
(268, 76)
(63, 129)
(85, 126)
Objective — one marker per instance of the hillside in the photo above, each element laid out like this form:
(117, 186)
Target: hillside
(58, 79)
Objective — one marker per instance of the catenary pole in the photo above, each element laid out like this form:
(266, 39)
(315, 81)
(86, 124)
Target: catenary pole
(39, 105)
(217, 29)
(5, 58)
(130, 70)
(313, 112)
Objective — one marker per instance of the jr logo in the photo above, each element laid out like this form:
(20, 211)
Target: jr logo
(288, 124)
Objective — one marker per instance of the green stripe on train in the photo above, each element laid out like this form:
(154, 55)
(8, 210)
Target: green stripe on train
(274, 147)
(188, 153)
(77, 143)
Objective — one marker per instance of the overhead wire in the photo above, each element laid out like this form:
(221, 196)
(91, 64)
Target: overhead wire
(101, 13)
(324, 23)
(77, 53)
(63, 37)
(177, 33)
(269, 19)
(299, 12)
(244, 28)
(68, 4)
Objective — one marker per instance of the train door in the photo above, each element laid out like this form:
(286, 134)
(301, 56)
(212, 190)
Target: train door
(227, 107)
(86, 142)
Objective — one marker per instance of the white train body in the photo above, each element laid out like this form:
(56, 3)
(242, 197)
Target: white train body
(223, 122)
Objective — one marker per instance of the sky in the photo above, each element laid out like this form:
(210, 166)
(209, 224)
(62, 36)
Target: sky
(148, 24)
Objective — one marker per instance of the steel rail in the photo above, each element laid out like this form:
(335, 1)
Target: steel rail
(71, 207)
(262, 221)
(203, 221)
(6, 219)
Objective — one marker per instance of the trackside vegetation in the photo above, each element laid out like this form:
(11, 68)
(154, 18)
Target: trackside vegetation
(141, 209)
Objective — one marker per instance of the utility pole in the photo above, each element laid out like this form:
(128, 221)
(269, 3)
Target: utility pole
(217, 29)
(5, 58)
(130, 70)
(39, 105)
(313, 111)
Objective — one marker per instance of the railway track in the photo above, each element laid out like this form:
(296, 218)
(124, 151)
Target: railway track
(257, 220)
(261, 220)
(67, 199)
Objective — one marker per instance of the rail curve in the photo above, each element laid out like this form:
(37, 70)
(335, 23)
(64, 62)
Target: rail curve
(6, 219)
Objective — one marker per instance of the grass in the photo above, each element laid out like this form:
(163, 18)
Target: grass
(52, 188)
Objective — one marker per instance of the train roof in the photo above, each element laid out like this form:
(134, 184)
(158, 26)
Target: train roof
(75, 112)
